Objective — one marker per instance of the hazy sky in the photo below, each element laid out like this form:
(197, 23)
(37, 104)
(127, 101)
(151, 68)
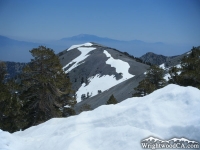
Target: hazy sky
(170, 21)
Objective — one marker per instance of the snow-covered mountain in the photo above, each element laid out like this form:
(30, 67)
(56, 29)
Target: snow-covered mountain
(95, 69)
(168, 113)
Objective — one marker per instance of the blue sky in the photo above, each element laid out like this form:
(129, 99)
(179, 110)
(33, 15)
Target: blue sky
(169, 21)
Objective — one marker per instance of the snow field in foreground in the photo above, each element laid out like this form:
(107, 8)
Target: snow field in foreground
(172, 111)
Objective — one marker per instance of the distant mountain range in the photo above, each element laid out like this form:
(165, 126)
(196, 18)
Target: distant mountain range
(18, 51)
(13, 50)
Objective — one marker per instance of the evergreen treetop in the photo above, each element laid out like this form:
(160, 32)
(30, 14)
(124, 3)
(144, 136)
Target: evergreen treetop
(153, 80)
(45, 88)
(10, 106)
(189, 73)
(112, 100)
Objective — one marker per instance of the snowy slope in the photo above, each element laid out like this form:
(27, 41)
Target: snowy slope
(121, 66)
(171, 112)
(91, 57)
(105, 82)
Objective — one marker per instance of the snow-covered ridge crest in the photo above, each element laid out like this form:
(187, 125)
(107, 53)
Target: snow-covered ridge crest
(76, 46)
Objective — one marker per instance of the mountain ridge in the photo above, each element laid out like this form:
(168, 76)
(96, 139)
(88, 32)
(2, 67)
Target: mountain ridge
(19, 51)
(88, 65)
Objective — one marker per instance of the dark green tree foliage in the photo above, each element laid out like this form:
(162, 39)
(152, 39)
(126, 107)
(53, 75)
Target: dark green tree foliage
(174, 75)
(189, 73)
(112, 100)
(144, 88)
(10, 106)
(45, 89)
(153, 80)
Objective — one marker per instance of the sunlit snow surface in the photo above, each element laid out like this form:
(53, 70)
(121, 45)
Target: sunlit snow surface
(119, 65)
(105, 82)
(170, 112)
(75, 46)
(162, 66)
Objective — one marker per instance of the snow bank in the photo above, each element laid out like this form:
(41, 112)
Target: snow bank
(166, 113)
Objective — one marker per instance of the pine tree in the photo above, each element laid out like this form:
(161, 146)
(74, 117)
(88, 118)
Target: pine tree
(10, 106)
(45, 89)
(174, 75)
(144, 88)
(189, 73)
(112, 100)
(153, 80)
(155, 75)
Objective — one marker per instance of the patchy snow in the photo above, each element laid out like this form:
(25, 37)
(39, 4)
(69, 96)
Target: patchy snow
(179, 72)
(170, 112)
(97, 83)
(189, 52)
(105, 82)
(119, 65)
(79, 60)
(178, 66)
(75, 46)
(162, 66)
(167, 76)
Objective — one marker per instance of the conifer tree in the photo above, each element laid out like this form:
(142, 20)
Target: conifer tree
(45, 89)
(174, 75)
(10, 106)
(144, 88)
(112, 100)
(153, 80)
(189, 73)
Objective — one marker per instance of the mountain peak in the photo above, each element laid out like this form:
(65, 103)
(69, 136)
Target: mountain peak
(84, 35)
(81, 37)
